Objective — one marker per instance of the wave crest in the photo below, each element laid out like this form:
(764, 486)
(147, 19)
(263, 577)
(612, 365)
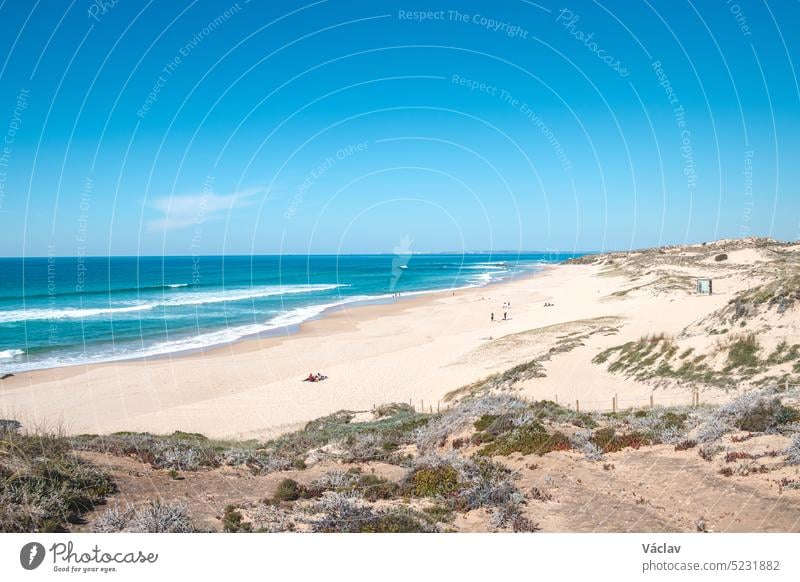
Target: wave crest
(184, 299)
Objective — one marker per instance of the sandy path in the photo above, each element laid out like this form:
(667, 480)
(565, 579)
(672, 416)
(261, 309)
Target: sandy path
(654, 490)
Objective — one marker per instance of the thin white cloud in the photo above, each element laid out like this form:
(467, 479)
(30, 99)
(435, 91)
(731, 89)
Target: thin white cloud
(192, 209)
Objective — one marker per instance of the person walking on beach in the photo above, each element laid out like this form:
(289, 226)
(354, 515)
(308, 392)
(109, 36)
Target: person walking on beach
(492, 316)
(505, 315)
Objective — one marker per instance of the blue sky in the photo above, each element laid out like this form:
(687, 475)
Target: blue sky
(331, 126)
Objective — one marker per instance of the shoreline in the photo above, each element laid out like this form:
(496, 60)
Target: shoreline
(416, 350)
(342, 320)
(291, 329)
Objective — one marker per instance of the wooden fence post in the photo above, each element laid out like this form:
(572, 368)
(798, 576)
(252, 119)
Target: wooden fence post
(577, 406)
(614, 404)
(651, 401)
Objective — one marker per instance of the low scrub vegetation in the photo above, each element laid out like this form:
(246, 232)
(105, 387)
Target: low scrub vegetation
(233, 521)
(659, 357)
(396, 425)
(609, 441)
(155, 517)
(743, 352)
(734, 358)
(446, 464)
(290, 490)
(354, 441)
(792, 452)
(467, 484)
(338, 512)
(755, 411)
(529, 439)
(780, 294)
(352, 482)
(44, 487)
(342, 513)
(502, 381)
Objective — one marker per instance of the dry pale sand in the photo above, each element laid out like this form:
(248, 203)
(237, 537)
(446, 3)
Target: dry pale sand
(416, 350)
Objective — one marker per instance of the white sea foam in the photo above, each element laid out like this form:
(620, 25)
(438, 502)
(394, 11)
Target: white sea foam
(493, 267)
(224, 336)
(482, 279)
(197, 342)
(184, 299)
(66, 312)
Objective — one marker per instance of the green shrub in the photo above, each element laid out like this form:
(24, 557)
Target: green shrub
(674, 420)
(787, 415)
(766, 415)
(289, 490)
(232, 521)
(436, 481)
(610, 442)
(743, 352)
(374, 488)
(530, 439)
(189, 436)
(484, 422)
(399, 520)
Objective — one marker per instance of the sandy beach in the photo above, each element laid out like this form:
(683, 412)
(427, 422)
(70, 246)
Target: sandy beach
(624, 343)
(416, 350)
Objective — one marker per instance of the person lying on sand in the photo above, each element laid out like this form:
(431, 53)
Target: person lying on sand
(315, 377)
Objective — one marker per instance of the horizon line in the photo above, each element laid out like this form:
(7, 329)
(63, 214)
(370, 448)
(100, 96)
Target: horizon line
(471, 252)
(359, 254)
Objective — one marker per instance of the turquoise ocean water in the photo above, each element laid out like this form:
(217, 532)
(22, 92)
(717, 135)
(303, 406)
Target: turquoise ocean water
(67, 310)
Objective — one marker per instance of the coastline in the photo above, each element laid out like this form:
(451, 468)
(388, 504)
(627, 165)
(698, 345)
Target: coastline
(415, 350)
(289, 329)
(279, 322)
(345, 318)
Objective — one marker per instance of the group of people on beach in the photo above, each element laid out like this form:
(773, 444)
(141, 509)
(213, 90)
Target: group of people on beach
(506, 307)
(315, 377)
